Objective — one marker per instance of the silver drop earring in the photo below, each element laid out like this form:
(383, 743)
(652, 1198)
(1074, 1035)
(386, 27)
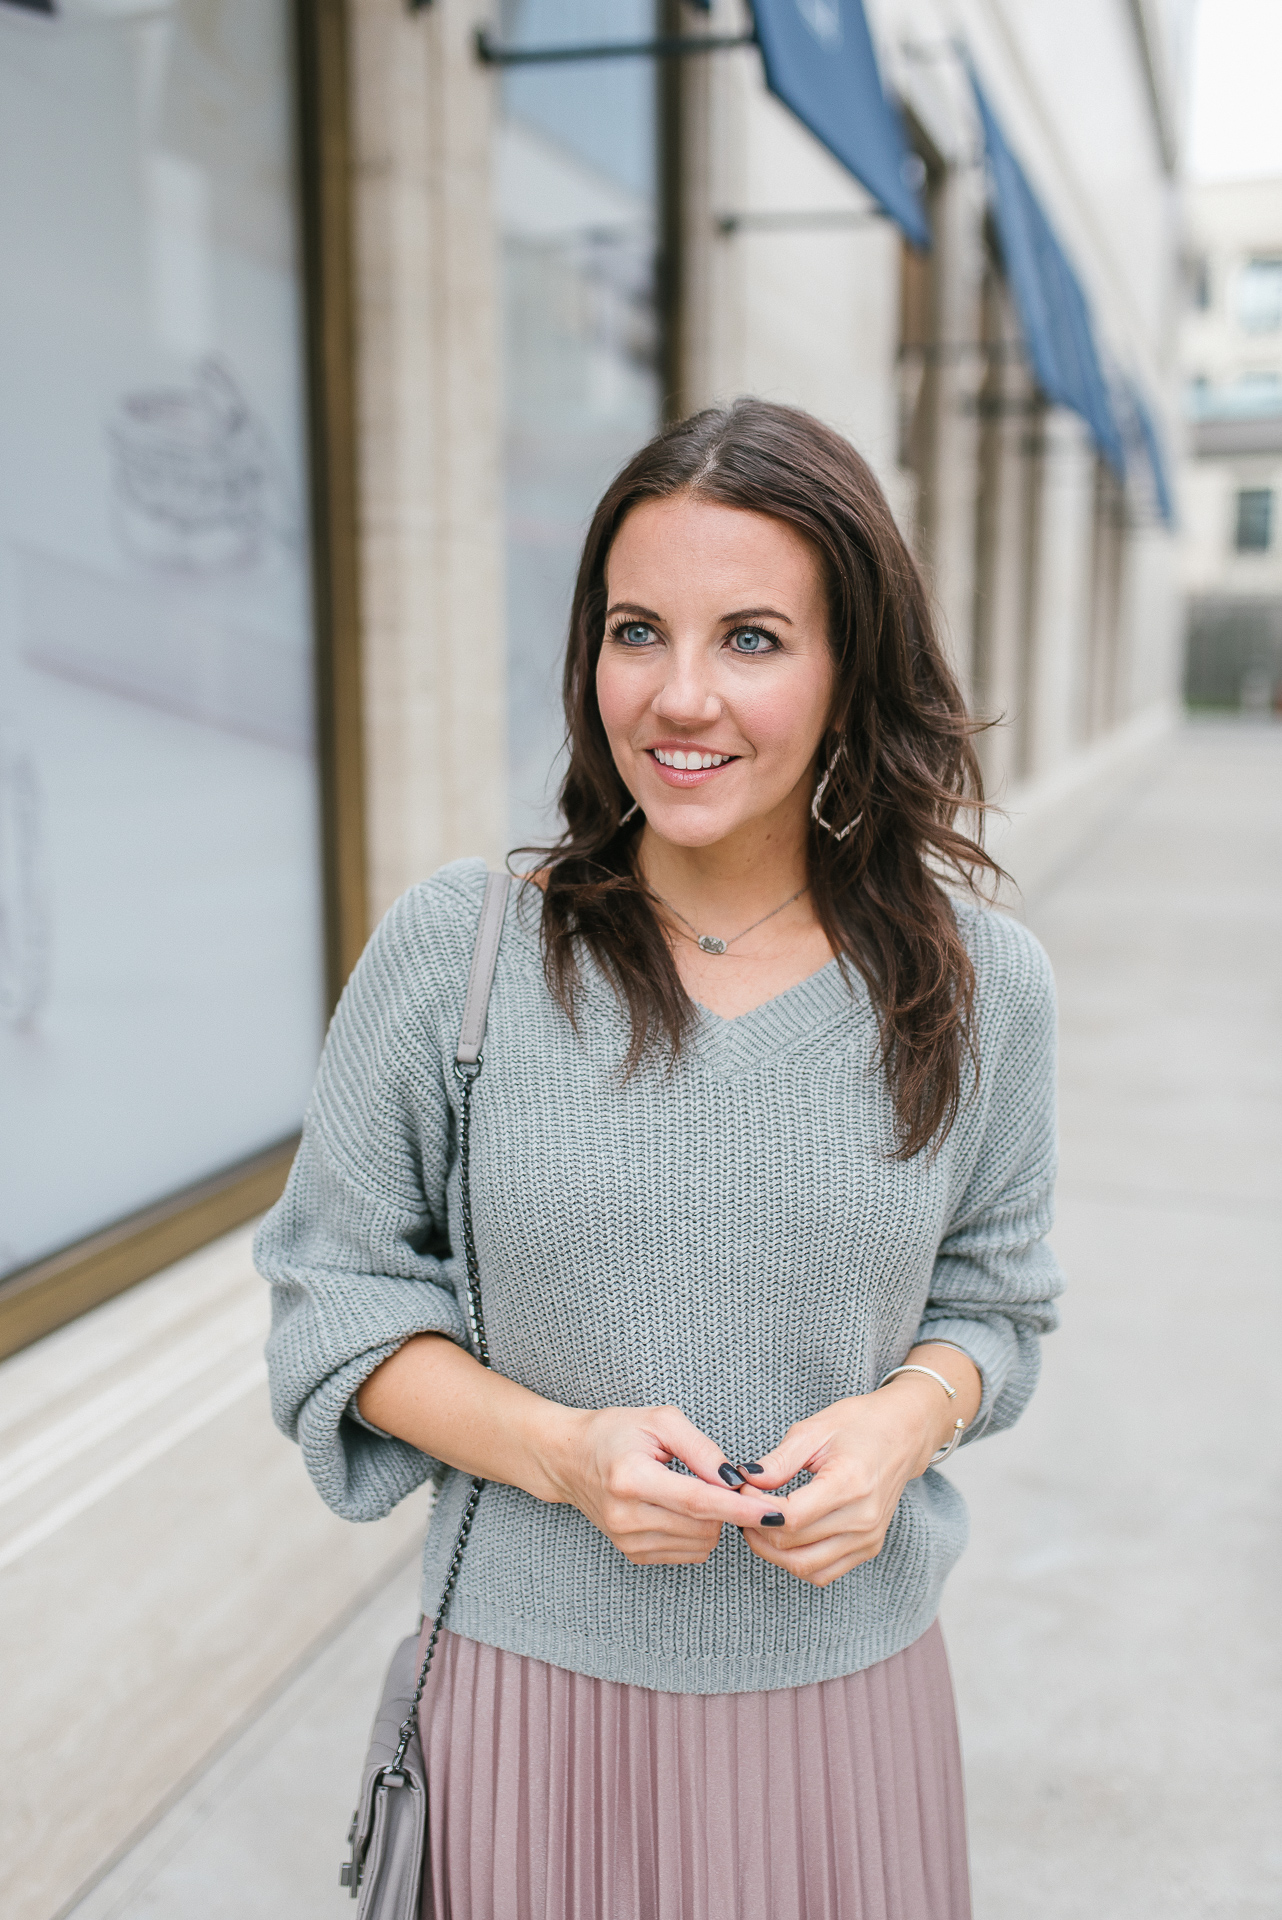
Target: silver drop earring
(634, 808)
(817, 802)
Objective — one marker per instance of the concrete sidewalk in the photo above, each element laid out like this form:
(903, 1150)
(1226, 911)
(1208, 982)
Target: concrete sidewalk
(1110, 1627)
(1114, 1625)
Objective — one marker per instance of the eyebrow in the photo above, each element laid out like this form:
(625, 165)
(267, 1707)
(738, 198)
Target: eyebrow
(754, 613)
(630, 606)
(727, 619)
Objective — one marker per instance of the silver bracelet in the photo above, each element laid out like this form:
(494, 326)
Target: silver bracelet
(941, 1453)
(957, 1347)
(954, 1346)
(912, 1367)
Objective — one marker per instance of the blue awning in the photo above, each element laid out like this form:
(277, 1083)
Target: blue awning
(819, 61)
(1154, 452)
(1052, 307)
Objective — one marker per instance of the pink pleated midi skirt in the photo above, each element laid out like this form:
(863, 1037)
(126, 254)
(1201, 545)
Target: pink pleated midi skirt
(553, 1796)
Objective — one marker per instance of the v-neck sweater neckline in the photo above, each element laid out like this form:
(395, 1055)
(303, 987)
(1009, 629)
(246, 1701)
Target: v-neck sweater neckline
(743, 1042)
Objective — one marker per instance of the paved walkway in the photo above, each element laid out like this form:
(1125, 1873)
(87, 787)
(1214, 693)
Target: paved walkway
(1114, 1625)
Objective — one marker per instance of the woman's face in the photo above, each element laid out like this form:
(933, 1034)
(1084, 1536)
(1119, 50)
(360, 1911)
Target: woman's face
(715, 677)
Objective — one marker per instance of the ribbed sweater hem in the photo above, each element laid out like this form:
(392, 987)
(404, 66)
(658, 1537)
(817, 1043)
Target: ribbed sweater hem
(640, 1666)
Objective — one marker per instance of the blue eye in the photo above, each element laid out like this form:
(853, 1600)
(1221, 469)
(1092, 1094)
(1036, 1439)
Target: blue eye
(635, 634)
(752, 640)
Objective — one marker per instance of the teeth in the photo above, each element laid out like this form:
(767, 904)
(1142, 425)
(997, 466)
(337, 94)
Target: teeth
(685, 762)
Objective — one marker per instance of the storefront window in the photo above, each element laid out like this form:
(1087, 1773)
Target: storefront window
(160, 914)
(1259, 296)
(577, 194)
(1254, 532)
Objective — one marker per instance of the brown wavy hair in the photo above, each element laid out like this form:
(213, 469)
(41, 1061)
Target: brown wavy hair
(898, 743)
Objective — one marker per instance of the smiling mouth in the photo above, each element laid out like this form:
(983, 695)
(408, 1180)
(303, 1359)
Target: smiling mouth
(692, 760)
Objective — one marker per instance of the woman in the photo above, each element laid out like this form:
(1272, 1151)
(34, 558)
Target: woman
(766, 1118)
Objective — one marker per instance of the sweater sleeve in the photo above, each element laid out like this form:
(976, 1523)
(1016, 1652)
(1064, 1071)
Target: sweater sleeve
(356, 1250)
(995, 1280)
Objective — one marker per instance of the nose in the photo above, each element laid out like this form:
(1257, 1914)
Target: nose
(686, 698)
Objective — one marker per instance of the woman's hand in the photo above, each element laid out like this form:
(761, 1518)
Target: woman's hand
(613, 1466)
(862, 1453)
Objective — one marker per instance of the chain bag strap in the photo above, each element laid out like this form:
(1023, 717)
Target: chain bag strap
(384, 1869)
(468, 1075)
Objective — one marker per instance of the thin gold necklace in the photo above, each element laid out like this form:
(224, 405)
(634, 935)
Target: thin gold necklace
(709, 942)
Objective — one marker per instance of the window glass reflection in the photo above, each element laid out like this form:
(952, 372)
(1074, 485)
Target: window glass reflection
(577, 192)
(160, 957)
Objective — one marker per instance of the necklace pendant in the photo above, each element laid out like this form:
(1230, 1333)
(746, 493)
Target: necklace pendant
(709, 943)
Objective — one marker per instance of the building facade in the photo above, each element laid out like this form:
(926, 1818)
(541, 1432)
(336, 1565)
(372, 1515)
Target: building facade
(318, 387)
(1232, 481)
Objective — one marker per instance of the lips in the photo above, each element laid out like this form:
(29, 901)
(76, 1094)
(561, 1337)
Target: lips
(688, 766)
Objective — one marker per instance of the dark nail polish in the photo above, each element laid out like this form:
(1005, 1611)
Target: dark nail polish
(728, 1474)
(753, 1466)
(772, 1520)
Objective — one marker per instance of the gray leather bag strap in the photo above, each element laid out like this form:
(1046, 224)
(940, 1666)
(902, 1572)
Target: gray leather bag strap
(480, 979)
(389, 1830)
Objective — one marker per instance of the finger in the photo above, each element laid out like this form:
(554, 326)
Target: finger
(840, 1483)
(675, 1558)
(694, 1449)
(841, 1496)
(696, 1500)
(699, 1499)
(817, 1565)
(827, 1506)
(643, 1515)
(862, 1543)
(660, 1543)
(784, 1462)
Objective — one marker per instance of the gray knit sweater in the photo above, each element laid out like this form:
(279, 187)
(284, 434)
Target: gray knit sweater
(732, 1236)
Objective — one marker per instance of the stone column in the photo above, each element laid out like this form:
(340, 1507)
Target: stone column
(1007, 491)
(1061, 587)
(950, 496)
(430, 441)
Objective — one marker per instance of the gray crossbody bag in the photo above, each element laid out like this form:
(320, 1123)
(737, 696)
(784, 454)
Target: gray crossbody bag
(388, 1834)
